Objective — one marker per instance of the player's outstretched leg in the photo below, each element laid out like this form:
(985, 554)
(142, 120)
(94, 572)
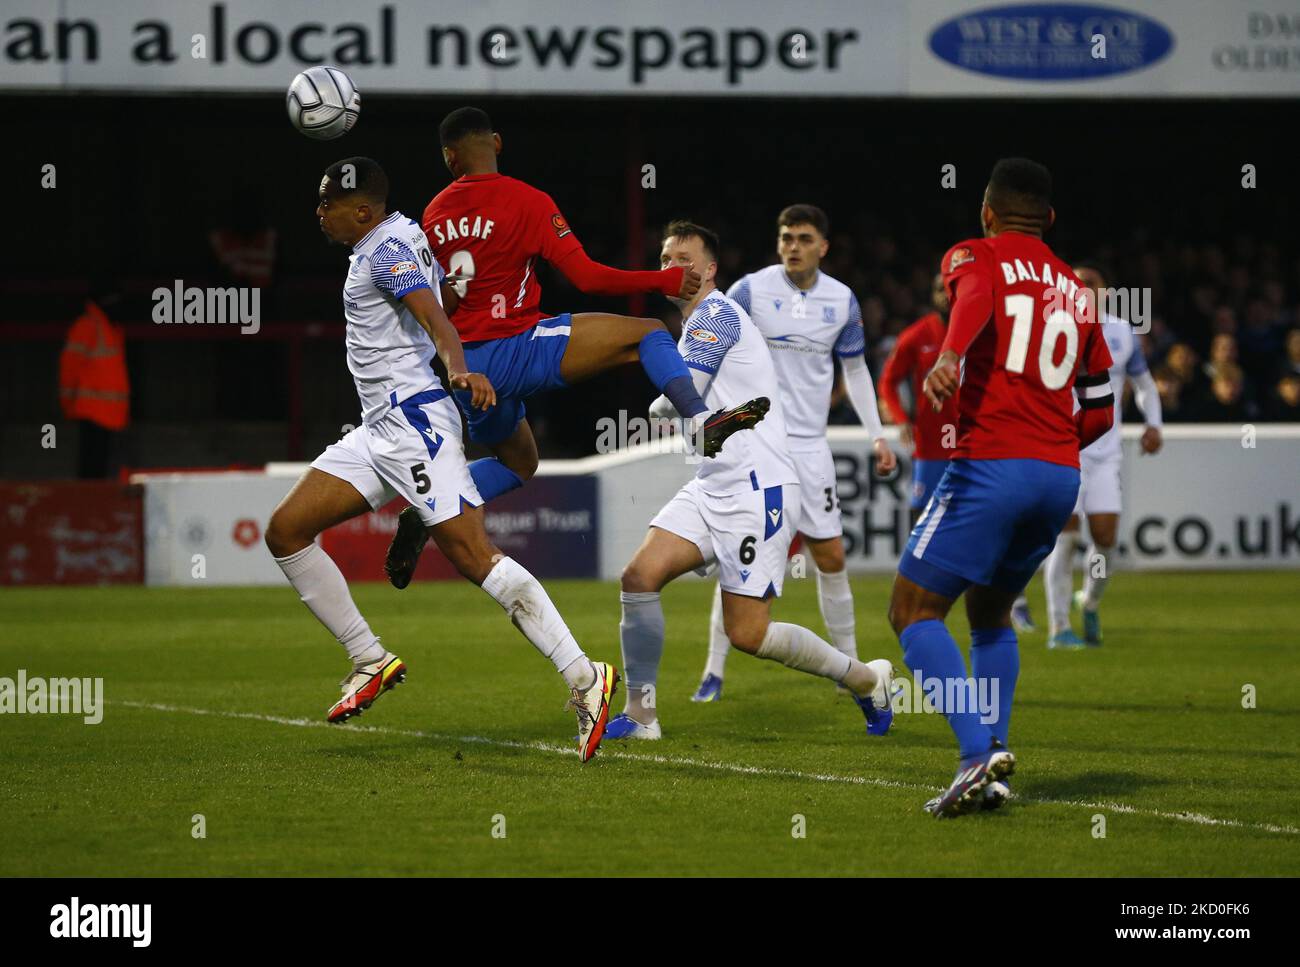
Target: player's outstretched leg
(750, 628)
(316, 503)
(599, 341)
(465, 543)
(715, 668)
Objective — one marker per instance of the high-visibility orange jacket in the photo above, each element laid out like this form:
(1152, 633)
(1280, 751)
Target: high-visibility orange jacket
(93, 383)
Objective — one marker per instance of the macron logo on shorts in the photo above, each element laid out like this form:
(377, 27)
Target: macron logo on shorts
(773, 506)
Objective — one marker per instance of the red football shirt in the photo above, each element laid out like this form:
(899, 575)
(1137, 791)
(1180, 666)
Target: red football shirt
(1017, 385)
(488, 231)
(913, 356)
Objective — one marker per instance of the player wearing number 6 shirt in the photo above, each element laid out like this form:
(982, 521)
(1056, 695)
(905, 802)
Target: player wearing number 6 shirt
(1021, 328)
(489, 230)
(741, 511)
(409, 443)
(809, 320)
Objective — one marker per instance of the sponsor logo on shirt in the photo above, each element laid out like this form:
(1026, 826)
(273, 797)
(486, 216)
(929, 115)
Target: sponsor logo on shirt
(960, 257)
(560, 225)
(703, 335)
(401, 267)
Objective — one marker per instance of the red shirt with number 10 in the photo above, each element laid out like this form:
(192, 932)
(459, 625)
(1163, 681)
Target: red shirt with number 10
(1017, 390)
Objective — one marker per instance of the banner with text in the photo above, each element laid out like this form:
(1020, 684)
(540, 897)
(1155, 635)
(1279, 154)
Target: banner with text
(599, 47)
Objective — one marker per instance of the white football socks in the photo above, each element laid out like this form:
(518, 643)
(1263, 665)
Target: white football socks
(641, 633)
(1096, 575)
(531, 610)
(837, 610)
(796, 647)
(1058, 582)
(321, 585)
(719, 644)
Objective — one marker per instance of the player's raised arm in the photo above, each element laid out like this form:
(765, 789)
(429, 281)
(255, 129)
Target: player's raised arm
(428, 313)
(553, 238)
(594, 278)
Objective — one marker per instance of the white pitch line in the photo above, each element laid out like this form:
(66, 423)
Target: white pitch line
(1197, 819)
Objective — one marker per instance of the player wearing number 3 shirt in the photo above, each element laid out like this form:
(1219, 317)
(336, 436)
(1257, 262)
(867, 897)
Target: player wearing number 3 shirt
(1022, 324)
(488, 230)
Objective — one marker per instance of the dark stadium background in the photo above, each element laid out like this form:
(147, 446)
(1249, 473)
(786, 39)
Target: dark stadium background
(1153, 188)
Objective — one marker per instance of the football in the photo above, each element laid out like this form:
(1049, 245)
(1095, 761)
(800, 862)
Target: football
(323, 103)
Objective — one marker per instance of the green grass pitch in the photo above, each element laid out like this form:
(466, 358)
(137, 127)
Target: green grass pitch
(1148, 731)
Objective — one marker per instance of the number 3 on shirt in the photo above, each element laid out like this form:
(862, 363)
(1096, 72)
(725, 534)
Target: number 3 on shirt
(1059, 323)
(460, 271)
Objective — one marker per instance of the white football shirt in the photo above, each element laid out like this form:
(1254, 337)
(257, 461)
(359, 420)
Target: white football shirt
(805, 330)
(1127, 361)
(390, 355)
(720, 339)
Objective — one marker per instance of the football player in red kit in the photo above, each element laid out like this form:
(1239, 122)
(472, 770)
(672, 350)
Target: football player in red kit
(488, 230)
(1026, 331)
(931, 435)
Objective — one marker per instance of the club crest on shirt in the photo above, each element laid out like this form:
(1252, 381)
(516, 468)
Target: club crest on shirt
(828, 314)
(960, 257)
(703, 335)
(560, 225)
(400, 267)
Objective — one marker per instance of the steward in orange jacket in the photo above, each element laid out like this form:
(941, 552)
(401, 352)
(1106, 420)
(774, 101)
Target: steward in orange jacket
(93, 384)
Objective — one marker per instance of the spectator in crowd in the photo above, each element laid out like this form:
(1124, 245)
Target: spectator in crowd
(1291, 353)
(1183, 365)
(1170, 388)
(93, 387)
(1284, 406)
(1224, 404)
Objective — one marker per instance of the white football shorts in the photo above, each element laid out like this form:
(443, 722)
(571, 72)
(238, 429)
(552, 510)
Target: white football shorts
(819, 516)
(748, 534)
(414, 451)
(1099, 486)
